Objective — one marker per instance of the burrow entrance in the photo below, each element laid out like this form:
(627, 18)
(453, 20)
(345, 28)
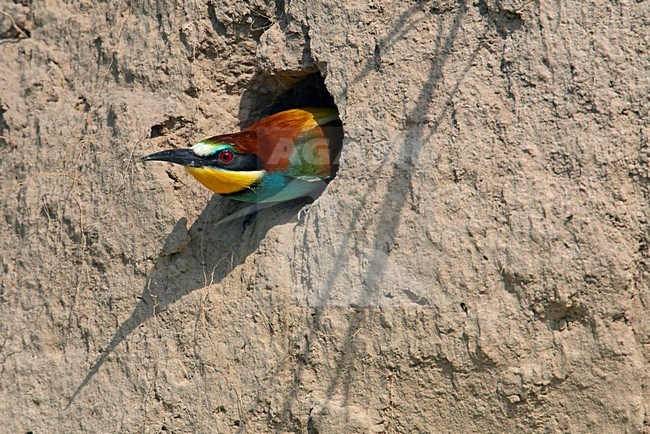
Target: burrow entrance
(270, 94)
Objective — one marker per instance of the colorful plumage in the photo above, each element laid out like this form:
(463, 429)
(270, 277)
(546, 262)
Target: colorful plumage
(281, 157)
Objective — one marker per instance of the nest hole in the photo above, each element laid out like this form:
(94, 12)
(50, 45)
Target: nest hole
(270, 94)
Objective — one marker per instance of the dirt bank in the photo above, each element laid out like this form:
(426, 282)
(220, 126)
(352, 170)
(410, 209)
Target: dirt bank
(479, 264)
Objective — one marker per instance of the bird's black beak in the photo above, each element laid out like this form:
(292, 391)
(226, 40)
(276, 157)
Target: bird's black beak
(184, 157)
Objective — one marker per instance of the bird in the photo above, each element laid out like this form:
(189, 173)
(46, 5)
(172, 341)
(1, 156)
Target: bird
(283, 156)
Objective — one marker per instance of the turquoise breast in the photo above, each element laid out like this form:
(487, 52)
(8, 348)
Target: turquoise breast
(277, 187)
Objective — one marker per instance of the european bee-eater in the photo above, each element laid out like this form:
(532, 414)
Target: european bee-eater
(281, 157)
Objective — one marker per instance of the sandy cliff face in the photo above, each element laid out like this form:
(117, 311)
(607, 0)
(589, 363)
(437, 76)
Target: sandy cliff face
(479, 264)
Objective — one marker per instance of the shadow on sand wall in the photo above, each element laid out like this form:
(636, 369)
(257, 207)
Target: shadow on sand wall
(220, 239)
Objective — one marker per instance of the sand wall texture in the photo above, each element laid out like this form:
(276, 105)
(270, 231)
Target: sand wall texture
(479, 264)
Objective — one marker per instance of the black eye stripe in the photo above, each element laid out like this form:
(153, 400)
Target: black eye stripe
(238, 162)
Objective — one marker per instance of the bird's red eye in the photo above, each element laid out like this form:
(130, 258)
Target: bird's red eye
(226, 156)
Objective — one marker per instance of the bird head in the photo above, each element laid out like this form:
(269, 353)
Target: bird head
(219, 166)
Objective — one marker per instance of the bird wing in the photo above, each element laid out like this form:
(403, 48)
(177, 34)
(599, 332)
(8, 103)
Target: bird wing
(295, 142)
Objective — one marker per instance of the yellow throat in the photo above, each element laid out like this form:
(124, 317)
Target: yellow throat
(225, 181)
